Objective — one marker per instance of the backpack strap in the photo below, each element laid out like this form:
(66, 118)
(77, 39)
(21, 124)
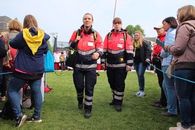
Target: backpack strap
(95, 35)
(78, 33)
(124, 35)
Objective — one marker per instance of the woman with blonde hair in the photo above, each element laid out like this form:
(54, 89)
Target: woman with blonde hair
(142, 50)
(31, 44)
(14, 27)
(184, 55)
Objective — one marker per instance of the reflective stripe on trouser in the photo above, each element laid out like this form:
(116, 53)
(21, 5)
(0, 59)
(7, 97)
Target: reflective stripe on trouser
(85, 80)
(88, 102)
(116, 79)
(118, 97)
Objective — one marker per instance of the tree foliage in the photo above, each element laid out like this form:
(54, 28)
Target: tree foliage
(131, 29)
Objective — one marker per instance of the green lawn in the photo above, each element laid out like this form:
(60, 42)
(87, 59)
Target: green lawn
(60, 107)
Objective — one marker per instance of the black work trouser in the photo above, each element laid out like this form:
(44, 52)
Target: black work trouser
(1, 76)
(116, 79)
(85, 80)
(5, 81)
(163, 100)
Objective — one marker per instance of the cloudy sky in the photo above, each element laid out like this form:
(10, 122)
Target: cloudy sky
(65, 16)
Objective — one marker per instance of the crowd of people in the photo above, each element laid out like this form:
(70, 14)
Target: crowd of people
(119, 53)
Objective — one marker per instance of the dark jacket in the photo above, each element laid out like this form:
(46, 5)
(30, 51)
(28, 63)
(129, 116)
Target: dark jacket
(27, 64)
(3, 51)
(143, 53)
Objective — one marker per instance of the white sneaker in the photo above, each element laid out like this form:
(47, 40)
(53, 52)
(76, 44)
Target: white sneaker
(178, 128)
(193, 127)
(137, 94)
(179, 125)
(140, 94)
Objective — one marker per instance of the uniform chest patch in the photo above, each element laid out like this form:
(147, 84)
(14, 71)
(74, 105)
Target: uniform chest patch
(90, 43)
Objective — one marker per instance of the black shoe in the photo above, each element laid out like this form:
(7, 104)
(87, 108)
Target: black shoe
(168, 114)
(87, 114)
(164, 109)
(20, 120)
(32, 119)
(111, 103)
(158, 105)
(157, 102)
(80, 106)
(118, 108)
(1, 115)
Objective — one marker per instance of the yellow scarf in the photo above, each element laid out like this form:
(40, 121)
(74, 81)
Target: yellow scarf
(33, 42)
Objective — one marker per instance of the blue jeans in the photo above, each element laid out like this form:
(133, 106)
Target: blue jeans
(170, 92)
(14, 97)
(140, 70)
(186, 96)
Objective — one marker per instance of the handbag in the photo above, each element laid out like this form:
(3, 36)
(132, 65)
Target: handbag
(48, 62)
(71, 60)
(73, 54)
(170, 69)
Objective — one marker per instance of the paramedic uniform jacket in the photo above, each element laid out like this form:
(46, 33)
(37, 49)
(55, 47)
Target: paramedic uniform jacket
(87, 45)
(118, 50)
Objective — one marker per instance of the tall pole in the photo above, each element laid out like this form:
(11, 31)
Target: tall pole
(114, 9)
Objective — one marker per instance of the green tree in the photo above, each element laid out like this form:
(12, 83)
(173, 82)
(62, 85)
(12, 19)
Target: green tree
(131, 29)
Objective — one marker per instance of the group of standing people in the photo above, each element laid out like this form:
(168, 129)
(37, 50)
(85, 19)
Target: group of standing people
(176, 46)
(117, 56)
(162, 59)
(27, 46)
(118, 52)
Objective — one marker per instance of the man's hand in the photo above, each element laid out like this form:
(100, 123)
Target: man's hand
(95, 56)
(128, 68)
(148, 60)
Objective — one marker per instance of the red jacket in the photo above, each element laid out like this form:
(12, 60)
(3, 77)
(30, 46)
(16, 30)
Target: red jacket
(87, 45)
(157, 48)
(118, 50)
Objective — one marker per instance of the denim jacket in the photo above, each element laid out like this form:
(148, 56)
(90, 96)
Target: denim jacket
(169, 40)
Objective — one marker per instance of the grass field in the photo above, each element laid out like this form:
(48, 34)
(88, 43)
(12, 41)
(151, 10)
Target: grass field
(60, 107)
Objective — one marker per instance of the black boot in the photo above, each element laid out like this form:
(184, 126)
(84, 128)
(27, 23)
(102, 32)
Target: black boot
(118, 108)
(111, 103)
(87, 114)
(80, 106)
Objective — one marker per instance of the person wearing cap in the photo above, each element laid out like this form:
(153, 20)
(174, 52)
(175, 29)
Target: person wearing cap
(156, 60)
(118, 59)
